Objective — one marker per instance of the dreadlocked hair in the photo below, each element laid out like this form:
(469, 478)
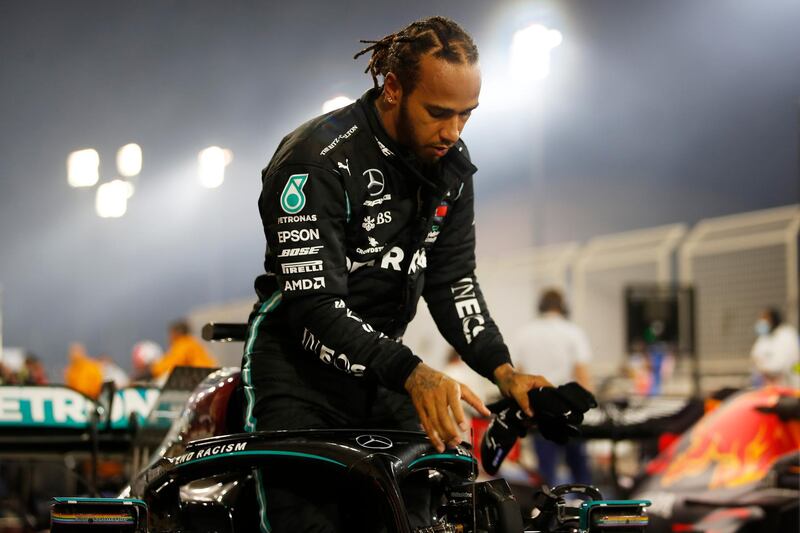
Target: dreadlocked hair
(400, 52)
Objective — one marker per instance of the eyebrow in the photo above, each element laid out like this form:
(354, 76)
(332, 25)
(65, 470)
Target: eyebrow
(447, 110)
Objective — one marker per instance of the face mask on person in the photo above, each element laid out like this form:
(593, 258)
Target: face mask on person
(762, 327)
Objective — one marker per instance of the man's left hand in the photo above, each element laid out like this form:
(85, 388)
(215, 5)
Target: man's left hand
(513, 384)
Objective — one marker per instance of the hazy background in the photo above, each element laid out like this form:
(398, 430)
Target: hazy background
(655, 112)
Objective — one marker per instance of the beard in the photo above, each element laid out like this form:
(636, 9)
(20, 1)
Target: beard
(405, 128)
(406, 136)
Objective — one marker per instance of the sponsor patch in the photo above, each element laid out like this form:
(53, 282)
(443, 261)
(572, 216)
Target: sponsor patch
(370, 223)
(370, 250)
(438, 219)
(62, 407)
(433, 234)
(297, 218)
(304, 284)
(385, 151)
(377, 201)
(393, 259)
(305, 250)
(298, 235)
(419, 261)
(330, 356)
(338, 139)
(302, 267)
(292, 198)
(376, 182)
(468, 308)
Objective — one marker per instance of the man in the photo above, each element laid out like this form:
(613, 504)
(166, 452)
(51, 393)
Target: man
(553, 344)
(184, 350)
(83, 373)
(366, 209)
(776, 352)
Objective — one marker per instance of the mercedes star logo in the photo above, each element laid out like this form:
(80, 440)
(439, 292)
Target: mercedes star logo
(376, 181)
(374, 442)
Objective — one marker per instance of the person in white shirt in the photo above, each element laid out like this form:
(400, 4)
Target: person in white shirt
(776, 352)
(554, 346)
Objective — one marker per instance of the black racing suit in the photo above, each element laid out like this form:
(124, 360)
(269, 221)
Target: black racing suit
(356, 232)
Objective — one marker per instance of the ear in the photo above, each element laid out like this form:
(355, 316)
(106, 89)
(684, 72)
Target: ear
(392, 89)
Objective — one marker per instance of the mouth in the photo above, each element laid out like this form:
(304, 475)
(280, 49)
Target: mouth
(440, 151)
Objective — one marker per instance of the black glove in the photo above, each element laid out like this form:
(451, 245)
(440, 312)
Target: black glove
(557, 413)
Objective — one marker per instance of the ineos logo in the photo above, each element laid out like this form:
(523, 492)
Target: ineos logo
(376, 181)
(374, 442)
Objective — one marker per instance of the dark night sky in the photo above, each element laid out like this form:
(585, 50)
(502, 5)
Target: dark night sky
(655, 112)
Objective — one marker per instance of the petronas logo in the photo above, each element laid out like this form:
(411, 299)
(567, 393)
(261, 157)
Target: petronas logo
(292, 198)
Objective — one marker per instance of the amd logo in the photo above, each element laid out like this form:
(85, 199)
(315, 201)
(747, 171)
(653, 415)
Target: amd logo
(304, 284)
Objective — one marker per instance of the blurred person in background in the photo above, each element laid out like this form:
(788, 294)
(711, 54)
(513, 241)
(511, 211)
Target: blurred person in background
(184, 350)
(83, 373)
(34, 372)
(113, 372)
(21, 368)
(143, 354)
(553, 345)
(776, 352)
(12, 365)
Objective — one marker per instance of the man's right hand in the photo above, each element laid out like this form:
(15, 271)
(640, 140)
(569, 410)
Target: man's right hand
(437, 399)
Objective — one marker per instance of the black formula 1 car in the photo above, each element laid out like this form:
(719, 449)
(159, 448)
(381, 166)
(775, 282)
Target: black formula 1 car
(203, 478)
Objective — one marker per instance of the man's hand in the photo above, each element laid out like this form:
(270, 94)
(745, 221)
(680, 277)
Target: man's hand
(437, 399)
(513, 384)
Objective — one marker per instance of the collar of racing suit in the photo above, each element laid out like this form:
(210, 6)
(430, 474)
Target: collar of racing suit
(450, 171)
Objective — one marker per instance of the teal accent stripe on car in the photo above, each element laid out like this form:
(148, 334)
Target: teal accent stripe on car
(283, 453)
(442, 456)
(263, 522)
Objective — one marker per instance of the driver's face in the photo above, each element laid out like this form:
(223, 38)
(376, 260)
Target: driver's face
(432, 116)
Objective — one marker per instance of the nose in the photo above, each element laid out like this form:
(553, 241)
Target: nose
(451, 130)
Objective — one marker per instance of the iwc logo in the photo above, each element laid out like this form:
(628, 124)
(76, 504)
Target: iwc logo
(374, 442)
(292, 198)
(376, 181)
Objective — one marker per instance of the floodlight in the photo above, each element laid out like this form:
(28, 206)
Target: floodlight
(530, 52)
(129, 160)
(212, 162)
(83, 168)
(112, 198)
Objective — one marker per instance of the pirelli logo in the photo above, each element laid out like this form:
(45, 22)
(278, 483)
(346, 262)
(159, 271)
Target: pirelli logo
(302, 267)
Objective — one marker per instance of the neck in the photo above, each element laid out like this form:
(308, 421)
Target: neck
(388, 115)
